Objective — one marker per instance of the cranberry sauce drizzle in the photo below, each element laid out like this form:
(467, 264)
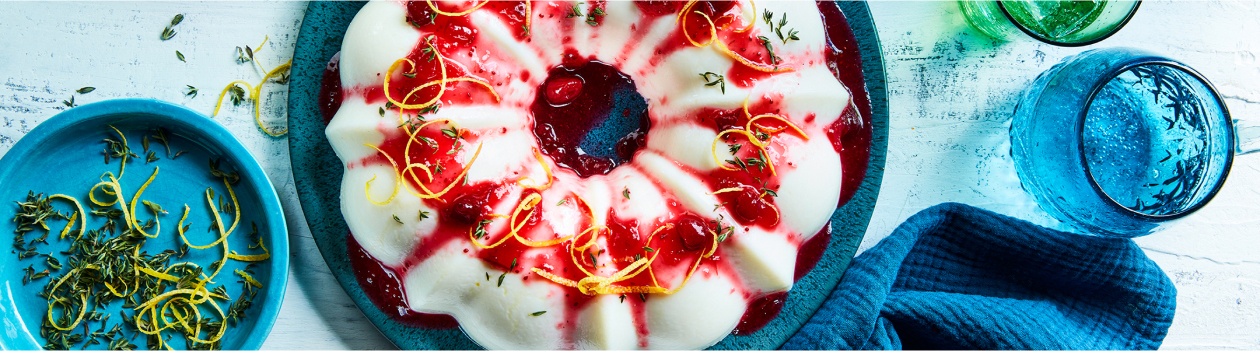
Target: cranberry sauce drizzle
(452, 32)
(589, 117)
(851, 134)
(382, 286)
(656, 8)
(811, 251)
(760, 312)
(697, 26)
(766, 308)
(330, 89)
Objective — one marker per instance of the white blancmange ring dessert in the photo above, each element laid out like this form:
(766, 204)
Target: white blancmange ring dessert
(588, 175)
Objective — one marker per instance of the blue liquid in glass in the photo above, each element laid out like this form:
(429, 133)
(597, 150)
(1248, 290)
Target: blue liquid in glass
(1146, 139)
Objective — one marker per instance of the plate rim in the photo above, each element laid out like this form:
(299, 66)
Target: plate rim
(215, 133)
(307, 78)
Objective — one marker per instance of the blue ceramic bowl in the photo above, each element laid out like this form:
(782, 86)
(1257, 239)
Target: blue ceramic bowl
(317, 174)
(64, 155)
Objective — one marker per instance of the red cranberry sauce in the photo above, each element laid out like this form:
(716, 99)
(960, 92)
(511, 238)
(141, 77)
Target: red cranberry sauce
(382, 286)
(761, 310)
(589, 117)
(330, 89)
(850, 134)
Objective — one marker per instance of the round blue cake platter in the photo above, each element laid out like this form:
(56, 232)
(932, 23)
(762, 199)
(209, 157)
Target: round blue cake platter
(317, 172)
(65, 154)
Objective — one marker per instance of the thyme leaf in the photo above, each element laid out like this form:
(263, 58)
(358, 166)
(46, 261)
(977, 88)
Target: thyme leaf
(719, 81)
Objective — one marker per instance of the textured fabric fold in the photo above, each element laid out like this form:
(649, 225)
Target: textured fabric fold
(958, 277)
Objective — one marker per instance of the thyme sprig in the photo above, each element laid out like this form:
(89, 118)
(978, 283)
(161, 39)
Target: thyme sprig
(720, 80)
(774, 59)
(768, 17)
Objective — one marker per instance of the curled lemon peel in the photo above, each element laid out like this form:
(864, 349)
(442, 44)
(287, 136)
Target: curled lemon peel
(528, 14)
(573, 249)
(115, 291)
(724, 190)
(440, 83)
(456, 14)
(595, 284)
(751, 19)
(712, 31)
(745, 106)
(136, 198)
(252, 258)
(751, 138)
(120, 199)
(716, 43)
(427, 173)
(80, 214)
(546, 168)
(275, 72)
(555, 278)
(178, 316)
(458, 179)
(157, 299)
(82, 310)
(407, 154)
(156, 274)
(218, 221)
(788, 124)
(658, 230)
(526, 204)
(123, 166)
(259, 48)
(151, 308)
(367, 187)
(92, 194)
(248, 87)
(744, 60)
(592, 284)
(682, 13)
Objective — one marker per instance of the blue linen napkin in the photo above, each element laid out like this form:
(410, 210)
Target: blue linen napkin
(959, 277)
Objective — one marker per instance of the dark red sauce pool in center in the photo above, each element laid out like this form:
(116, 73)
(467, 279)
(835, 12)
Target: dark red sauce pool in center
(589, 117)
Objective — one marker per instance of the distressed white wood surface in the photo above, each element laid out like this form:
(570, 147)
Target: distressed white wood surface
(951, 92)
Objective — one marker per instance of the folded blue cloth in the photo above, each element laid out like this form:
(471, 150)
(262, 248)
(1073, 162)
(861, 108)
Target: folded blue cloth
(958, 277)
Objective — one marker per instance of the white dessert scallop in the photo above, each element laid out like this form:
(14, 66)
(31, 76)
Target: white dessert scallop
(669, 177)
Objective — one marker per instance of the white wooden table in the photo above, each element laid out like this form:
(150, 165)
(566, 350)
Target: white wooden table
(951, 92)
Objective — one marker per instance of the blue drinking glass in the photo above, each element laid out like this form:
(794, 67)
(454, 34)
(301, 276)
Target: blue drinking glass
(1119, 141)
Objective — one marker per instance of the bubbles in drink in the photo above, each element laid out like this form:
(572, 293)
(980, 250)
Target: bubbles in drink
(1146, 139)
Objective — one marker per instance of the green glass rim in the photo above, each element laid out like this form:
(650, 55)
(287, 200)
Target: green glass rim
(1228, 126)
(1043, 39)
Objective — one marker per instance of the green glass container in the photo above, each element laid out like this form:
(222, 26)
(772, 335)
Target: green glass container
(1062, 23)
